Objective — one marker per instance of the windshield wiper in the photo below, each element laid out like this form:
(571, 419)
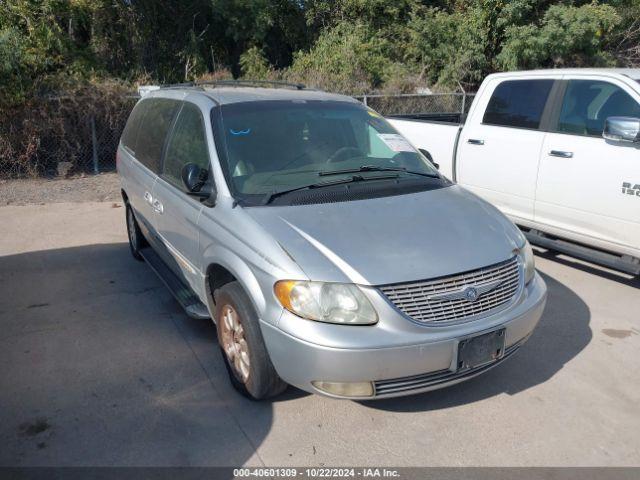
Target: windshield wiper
(268, 197)
(373, 168)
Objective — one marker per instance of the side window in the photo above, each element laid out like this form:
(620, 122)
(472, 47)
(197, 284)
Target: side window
(130, 132)
(588, 103)
(188, 144)
(518, 103)
(156, 122)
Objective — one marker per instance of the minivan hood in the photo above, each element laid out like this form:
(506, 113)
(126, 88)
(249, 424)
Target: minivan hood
(392, 239)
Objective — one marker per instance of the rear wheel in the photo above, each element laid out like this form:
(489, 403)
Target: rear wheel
(136, 239)
(245, 355)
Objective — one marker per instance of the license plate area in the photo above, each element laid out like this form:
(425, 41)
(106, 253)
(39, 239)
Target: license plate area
(481, 350)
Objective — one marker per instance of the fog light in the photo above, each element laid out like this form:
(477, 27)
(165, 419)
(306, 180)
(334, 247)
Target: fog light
(345, 389)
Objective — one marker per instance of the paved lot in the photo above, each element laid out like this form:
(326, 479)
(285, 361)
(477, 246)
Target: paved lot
(100, 367)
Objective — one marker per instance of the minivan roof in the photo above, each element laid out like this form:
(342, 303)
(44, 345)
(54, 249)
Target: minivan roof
(230, 94)
(633, 73)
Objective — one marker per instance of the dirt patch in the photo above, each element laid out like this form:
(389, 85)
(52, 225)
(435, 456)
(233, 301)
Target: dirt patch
(614, 333)
(31, 429)
(104, 187)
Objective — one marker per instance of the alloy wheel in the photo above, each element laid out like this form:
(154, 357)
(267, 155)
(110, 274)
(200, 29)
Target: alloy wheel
(234, 343)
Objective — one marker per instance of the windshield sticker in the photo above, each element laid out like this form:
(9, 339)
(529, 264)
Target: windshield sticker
(240, 132)
(396, 142)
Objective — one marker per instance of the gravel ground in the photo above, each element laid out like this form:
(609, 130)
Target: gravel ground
(95, 188)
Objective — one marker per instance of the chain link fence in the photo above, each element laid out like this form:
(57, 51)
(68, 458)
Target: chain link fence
(63, 136)
(419, 104)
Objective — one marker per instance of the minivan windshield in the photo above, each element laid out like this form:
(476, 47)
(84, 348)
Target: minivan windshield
(276, 146)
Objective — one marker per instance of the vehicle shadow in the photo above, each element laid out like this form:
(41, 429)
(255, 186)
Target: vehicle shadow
(101, 367)
(563, 332)
(586, 267)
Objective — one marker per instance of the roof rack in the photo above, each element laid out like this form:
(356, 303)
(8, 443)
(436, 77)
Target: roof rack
(244, 83)
(236, 83)
(179, 85)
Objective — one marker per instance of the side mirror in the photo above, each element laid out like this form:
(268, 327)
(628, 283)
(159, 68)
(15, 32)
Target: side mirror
(429, 157)
(194, 178)
(622, 129)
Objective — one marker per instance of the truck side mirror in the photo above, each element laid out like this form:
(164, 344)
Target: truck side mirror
(429, 157)
(622, 129)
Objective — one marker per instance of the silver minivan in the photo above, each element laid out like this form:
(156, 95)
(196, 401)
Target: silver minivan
(329, 252)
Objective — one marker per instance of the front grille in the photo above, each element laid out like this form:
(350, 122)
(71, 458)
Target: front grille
(416, 299)
(419, 382)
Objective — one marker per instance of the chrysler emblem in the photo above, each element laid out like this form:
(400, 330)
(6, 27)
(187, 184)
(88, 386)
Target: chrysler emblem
(471, 294)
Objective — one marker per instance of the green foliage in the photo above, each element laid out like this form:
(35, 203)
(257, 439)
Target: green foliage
(254, 65)
(346, 45)
(344, 58)
(567, 35)
(376, 14)
(15, 64)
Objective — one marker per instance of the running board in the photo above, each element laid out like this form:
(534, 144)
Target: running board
(623, 263)
(178, 288)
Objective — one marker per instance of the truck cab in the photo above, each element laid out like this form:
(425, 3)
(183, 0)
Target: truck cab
(540, 146)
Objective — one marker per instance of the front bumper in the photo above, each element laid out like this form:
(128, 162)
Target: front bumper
(398, 356)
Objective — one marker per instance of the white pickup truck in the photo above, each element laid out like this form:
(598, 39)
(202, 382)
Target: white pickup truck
(558, 151)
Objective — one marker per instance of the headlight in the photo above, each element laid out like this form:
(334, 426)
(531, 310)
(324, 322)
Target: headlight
(529, 262)
(326, 302)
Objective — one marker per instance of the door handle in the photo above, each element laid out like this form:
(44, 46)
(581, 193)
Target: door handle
(561, 154)
(157, 206)
(148, 198)
(475, 141)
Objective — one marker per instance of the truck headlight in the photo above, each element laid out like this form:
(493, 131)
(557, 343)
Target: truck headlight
(326, 302)
(529, 262)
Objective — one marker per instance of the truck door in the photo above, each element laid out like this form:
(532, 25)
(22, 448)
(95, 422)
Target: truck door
(178, 213)
(586, 183)
(499, 148)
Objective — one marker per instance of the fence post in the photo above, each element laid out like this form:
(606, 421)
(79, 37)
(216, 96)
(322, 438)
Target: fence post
(464, 98)
(364, 100)
(94, 145)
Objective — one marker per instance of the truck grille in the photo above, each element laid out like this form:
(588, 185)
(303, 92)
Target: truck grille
(449, 299)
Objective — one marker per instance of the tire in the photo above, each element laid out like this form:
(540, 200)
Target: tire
(136, 239)
(245, 355)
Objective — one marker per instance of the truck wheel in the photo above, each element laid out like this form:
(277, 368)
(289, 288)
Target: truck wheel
(245, 355)
(136, 239)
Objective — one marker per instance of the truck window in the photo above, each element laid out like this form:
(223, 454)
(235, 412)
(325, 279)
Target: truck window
(188, 144)
(157, 119)
(588, 103)
(518, 103)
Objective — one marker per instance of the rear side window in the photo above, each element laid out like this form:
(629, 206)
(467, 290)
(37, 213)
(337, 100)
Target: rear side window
(518, 103)
(155, 125)
(188, 144)
(130, 133)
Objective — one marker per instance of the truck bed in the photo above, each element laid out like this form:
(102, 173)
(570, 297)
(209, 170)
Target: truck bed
(447, 118)
(434, 132)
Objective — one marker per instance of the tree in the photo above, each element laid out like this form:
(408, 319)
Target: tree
(567, 36)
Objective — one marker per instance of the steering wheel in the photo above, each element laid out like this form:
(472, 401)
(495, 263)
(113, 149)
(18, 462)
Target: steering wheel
(338, 155)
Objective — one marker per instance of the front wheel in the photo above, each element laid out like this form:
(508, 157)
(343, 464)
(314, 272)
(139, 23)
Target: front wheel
(245, 355)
